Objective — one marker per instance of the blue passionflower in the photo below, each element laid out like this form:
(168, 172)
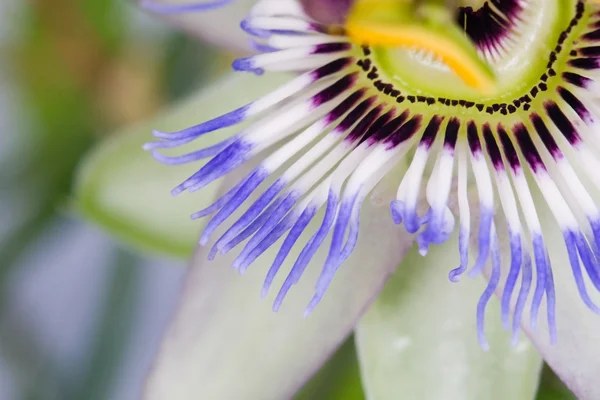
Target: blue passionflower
(485, 135)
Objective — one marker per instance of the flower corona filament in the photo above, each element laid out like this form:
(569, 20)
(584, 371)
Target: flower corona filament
(468, 122)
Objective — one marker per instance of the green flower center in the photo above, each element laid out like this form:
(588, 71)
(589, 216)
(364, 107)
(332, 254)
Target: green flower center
(533, 50)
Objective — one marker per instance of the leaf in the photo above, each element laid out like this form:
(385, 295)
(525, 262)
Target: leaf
(226, 343)
(124, 190)
(338, 379)
(419, 339)
(551, 388)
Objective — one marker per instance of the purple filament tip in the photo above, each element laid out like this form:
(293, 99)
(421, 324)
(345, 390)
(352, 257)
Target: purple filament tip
(259, 33)
(463, 249)
(397, 210)
(526, 275)
(246, 65)
(489, 291)
(162, 8)
(511, 280)
(539, 255)
(485, 228)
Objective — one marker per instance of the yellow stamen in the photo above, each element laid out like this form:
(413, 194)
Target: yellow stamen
(395, 23)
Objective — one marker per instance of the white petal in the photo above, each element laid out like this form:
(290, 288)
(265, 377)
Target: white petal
(419, 338)
(220, 27)
(226, 343)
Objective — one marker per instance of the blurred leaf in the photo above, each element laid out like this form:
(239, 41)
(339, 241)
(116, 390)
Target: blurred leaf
(552, 388)
(188, 63)
(58, 122)
(419, 338)
(123, 189)
(339, 379)
(34, 373)
(109, 20)
(113, 332)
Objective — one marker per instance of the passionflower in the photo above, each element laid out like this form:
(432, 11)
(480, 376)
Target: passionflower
(518, 66)
(473, 110)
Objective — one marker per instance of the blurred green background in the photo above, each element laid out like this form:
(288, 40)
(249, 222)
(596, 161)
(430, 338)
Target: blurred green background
(80, 315)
